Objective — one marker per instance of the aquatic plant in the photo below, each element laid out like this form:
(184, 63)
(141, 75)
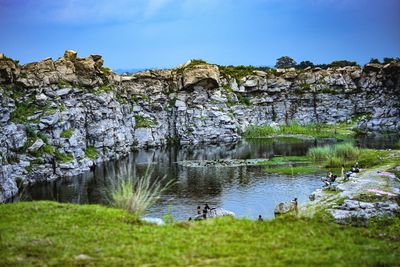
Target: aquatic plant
(135, 194)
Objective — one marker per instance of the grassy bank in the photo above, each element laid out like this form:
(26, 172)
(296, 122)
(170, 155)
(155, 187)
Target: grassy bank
(48, 233)
(334, 156)
(330, 158)
(338, 131)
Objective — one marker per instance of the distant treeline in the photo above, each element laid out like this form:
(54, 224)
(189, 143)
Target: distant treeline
(288, 62)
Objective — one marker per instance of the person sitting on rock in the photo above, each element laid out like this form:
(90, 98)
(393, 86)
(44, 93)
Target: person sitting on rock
(333, 178)
(355, 169)
(348, 174)
(326, 181)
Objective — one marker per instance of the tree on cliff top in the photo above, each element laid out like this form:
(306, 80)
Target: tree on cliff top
(285, 62)
(305, 64)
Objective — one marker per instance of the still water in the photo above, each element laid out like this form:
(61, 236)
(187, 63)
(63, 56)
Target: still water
(245, 190)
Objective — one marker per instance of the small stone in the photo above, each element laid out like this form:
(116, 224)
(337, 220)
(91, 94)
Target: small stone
(63, 91)
(36, 146)
(50, 120)
(82, 257)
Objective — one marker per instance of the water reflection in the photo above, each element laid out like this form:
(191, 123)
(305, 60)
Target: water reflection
(245, 190)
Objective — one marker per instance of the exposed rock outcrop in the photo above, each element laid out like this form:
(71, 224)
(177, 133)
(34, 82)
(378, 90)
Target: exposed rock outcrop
(84, 114)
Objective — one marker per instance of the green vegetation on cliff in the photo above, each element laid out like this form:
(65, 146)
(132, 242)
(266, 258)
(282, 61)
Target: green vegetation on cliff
(91, 153)
(48, 233)
(142, 122)
(238, 72)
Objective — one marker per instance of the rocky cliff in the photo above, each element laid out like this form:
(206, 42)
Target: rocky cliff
(61, 117)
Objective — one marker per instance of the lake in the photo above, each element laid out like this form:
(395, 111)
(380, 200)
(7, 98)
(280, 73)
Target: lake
(246, 190)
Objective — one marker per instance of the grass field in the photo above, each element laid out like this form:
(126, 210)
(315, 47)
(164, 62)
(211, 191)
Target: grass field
(53, 234)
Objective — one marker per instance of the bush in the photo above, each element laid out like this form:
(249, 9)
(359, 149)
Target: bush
(342, 63)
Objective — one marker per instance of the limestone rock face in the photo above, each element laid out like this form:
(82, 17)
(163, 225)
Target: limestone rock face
(86, 115)
(204, 75)
(9, 70)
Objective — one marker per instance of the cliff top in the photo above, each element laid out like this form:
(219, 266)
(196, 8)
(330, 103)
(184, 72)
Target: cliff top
(90, 72)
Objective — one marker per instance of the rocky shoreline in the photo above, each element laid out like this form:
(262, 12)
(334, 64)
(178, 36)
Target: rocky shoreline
(371, 194)
(61, 117)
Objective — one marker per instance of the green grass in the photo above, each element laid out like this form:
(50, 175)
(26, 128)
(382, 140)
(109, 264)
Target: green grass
(294, 170)
(67, 133)
(338, 131)
(53, 234)
(91, 153)
(333, 156)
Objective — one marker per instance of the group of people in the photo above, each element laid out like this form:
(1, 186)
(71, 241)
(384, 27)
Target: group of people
(331, 178)
(207, 212)
(201, 214)
(352, 172)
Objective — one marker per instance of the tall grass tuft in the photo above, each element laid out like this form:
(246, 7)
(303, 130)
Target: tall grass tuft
(136, 194)
(346, 150)
(319, 153)
(335, 155)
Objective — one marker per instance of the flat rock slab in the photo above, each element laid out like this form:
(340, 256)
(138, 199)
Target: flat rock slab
(220, 163)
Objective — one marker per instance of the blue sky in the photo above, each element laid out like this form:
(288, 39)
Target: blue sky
(165, 33)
